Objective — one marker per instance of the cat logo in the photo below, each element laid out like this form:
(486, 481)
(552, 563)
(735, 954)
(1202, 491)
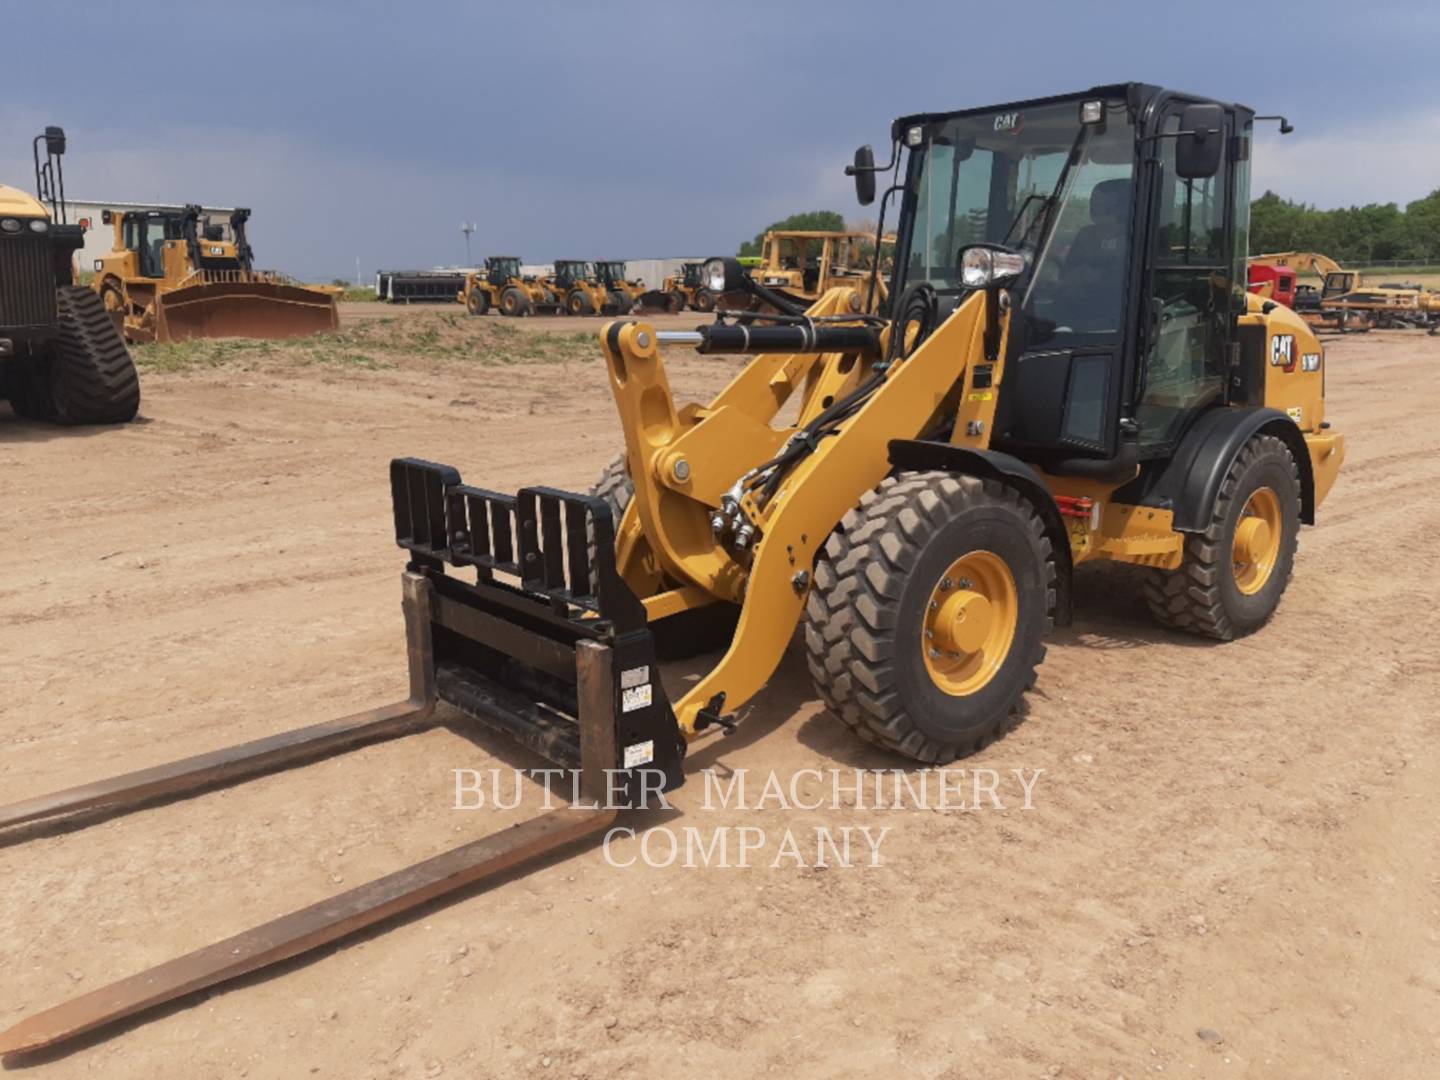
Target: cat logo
(1010, 121)
(1282, 351)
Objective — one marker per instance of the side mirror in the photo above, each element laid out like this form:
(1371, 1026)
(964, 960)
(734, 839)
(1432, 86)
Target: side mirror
(106, 217)
(55, 140)
(864, 173)
(1202, 137)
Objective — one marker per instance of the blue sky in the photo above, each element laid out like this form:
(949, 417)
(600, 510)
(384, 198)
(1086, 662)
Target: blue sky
(626, 130)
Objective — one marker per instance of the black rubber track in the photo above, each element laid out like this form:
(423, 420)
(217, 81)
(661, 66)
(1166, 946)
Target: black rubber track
(853, 638)
(1200, 596)
(93, 378)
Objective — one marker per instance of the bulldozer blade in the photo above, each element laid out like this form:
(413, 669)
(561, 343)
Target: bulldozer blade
(310, 927)
(245, 309)
(223, 766)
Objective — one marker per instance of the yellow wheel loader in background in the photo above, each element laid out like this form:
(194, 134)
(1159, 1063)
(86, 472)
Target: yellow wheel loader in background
(679, 291)
(502, 287)
(61, 357)
(1069, 369)
(173, 275)
(624, 294)
(575, 280)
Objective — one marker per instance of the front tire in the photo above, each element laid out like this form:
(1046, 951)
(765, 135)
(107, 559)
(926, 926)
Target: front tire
(477, 302)
(1235, 572)
(578, 303)
(929, 608)
(514, 303)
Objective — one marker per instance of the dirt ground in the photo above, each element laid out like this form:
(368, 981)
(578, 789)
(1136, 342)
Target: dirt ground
(1229, 868)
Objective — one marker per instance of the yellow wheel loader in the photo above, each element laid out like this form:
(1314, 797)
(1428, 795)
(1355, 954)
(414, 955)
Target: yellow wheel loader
(679, 291)
(1069, 370)
(501, 287)
(575, 280)
(61, 357)
(625, 295)
(175, 274)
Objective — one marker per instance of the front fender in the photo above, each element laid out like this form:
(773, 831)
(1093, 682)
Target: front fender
(919, 454)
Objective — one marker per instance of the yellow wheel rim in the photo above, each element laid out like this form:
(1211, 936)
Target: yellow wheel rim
(969, 623)
(1257, 541)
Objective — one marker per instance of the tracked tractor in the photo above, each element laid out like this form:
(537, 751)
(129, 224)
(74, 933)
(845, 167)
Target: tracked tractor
(502, 287)
(625, 293)
(679, 291)
(1069, 370)
(576, 281)
(176, 274)
(61, 358)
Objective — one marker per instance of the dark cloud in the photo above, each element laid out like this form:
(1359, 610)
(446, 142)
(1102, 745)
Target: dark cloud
(372, 131)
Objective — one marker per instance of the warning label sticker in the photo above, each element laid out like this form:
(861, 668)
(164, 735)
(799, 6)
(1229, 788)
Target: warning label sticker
(634, 697)
(642, 753)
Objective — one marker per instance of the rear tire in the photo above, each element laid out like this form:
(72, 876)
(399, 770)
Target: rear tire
(91, 377)
(868, 639)
(578, 303)
(704, 301)
(477, 302)
(514, 303)
(1227, 587)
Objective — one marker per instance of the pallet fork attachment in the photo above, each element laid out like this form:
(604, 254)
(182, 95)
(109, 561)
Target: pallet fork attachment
(561, 661)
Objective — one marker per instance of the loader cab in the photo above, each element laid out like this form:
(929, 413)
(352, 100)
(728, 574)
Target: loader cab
(610, 273)
(690, 275)
(500, 270)
(571, 272)
(1133, 261)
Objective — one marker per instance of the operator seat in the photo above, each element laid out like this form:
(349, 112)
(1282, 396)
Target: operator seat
(1096, 260)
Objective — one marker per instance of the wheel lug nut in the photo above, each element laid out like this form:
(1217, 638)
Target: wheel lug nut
(964, 583)
(946, 584)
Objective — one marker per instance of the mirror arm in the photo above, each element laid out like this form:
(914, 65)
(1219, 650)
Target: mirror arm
(851, 170)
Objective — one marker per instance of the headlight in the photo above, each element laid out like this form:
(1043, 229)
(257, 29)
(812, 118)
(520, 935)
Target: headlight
(982, 266)
(39, 225)
(713, 275)
(10, 225)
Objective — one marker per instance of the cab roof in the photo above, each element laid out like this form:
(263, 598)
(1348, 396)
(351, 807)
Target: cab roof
(1138, 94)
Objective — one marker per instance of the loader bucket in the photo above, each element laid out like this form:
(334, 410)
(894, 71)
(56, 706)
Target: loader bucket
(245, 309)
(656, 301)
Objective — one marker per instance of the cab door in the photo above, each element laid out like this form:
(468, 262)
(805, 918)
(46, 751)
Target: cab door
(1188, 296)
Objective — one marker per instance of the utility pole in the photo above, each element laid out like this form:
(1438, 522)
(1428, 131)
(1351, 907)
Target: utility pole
(467, 227)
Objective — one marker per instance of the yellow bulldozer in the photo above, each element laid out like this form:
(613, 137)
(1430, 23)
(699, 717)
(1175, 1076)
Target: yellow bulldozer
(61, 357)
(501, 286)
(907, 491)
(804, 265)
(175, 274)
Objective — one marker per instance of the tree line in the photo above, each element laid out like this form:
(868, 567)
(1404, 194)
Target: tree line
(1376, 232)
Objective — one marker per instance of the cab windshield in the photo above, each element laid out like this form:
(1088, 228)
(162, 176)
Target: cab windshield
(1037, 180)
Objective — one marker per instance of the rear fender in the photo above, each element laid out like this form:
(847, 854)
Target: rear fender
(1188, 483)
(919, 454)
